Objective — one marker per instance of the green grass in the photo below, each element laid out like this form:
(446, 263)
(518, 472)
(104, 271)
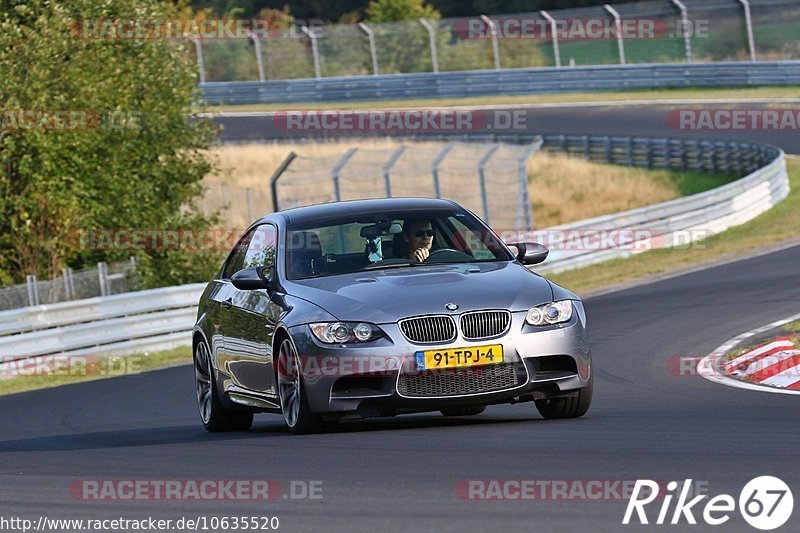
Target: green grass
(610, 96)
(778, 226)
(83, 369)
(694, 181)
(792, 326)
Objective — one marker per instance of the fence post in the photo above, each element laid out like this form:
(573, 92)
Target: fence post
(525, 202)
(223, 191)
(249, 196)
(273, 181)
(388, 167)
(69, 288)
(495, 48)
(259, 58)
(482, 179)
(201, 67)
(102, 275)
(553, 30)
(314, 50)
(618, 26)
(749, 23)
(337, 169)
(687, 39)
(432, 38)
(33, 289)
(372, 51)
(437, 161)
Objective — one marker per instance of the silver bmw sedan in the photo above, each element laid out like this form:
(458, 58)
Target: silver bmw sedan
(384, 307)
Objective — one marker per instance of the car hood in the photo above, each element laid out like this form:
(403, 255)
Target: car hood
(384, 296)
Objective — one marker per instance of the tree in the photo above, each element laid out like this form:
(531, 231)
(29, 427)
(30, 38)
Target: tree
(397, 10)
(127, 155)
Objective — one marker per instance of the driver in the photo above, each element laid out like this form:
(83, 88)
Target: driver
(419, 236)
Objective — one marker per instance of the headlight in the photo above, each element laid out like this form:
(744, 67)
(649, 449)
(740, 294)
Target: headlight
(552, 313)
(344, 332)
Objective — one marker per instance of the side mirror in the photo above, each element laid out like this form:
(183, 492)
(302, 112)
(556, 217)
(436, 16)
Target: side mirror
(530, 253)
(254, 278)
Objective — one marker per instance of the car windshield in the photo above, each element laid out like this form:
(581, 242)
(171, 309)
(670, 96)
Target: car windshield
(388, 240)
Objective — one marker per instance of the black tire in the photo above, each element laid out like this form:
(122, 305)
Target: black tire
(291, 391)
(214, 415)
(463, 411)
(572, 406)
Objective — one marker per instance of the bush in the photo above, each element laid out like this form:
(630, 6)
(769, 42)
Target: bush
(135, 163)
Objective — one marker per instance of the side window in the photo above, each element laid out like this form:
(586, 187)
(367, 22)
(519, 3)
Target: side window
(261, 249)
(235, 260)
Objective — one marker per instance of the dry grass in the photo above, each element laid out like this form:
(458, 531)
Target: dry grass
(562, 188)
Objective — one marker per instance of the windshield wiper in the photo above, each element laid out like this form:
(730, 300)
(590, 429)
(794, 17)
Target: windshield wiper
(392, 265)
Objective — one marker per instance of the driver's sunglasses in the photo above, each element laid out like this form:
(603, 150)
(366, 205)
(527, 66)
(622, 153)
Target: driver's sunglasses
(424, 232)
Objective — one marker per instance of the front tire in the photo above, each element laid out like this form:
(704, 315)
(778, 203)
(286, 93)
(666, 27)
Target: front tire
(291, 391)
(214, 415)
(572, 406)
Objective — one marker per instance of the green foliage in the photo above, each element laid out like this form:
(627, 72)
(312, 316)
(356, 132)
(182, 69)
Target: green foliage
(395, 10)
(135, 164)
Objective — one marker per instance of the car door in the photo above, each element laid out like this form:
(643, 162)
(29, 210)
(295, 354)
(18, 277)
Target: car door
(252, 318)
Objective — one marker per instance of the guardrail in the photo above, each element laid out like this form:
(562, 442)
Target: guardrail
(118, 324)
(461, 84)
(162, 318)
(676, 222)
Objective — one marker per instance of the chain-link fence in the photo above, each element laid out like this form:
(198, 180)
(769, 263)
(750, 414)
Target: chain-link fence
(654, 31)
(103, 280)
(488, 178)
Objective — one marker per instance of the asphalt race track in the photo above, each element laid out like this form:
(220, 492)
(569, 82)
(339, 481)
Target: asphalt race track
(637, 119)
(400, 474)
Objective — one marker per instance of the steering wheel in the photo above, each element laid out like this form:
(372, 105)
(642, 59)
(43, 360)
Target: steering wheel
(440, 251)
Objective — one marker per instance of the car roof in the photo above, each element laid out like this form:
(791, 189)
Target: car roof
(357, 207)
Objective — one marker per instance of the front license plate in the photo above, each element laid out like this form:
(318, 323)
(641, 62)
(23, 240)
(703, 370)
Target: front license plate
(460, 357)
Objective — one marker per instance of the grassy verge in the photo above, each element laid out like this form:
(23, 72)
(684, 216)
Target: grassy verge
(561, 98)
(780, 225)
(62, 370)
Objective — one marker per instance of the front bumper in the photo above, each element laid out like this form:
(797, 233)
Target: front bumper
(362, 379)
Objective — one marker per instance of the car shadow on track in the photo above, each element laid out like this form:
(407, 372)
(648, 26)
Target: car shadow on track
(120, 439)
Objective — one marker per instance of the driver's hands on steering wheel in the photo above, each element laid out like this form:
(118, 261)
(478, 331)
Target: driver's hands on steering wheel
(421, 254)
